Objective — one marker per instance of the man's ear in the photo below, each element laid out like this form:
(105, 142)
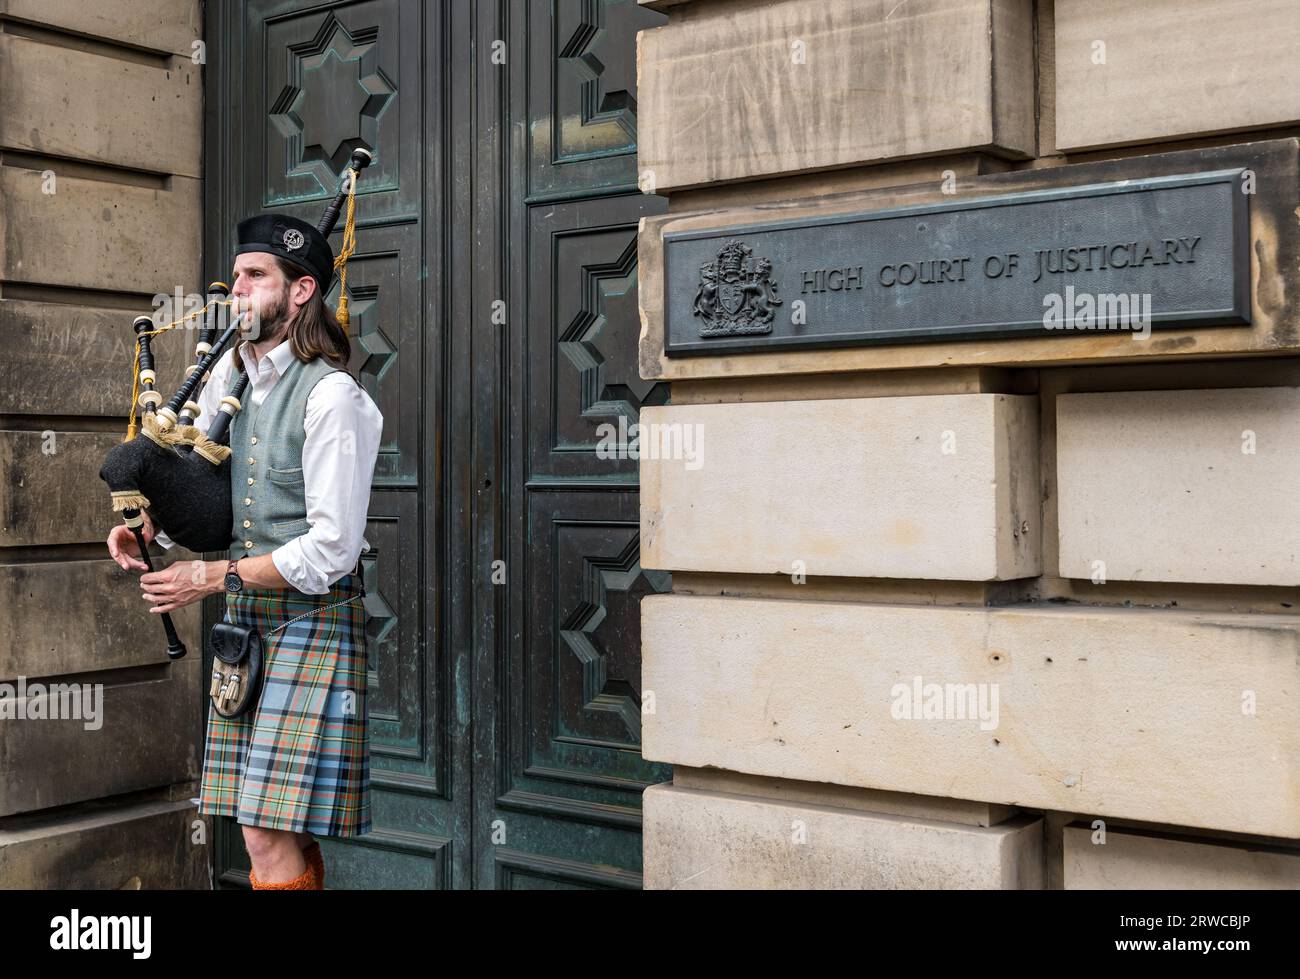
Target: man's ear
(302, 290)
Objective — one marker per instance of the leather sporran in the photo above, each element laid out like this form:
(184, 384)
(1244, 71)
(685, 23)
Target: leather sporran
(237, 668)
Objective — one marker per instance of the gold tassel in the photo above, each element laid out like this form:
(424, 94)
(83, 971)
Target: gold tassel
(185, 435)
(346, 248)
(176, 435)
(127, 500)
(214, 452)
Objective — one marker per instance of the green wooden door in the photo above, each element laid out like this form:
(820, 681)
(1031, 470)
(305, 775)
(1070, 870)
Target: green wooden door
(504, 716)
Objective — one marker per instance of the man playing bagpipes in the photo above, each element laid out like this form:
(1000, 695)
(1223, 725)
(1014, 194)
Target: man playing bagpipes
(303, 445)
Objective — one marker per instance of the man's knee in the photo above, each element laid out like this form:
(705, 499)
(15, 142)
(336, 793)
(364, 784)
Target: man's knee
(264, 842)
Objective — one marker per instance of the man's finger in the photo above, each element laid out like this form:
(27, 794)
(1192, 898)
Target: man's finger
(124, 561)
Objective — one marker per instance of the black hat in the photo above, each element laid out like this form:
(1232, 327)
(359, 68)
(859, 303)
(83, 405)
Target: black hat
(292, 239)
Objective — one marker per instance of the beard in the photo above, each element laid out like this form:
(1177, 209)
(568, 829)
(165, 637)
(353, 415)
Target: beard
(272, 319)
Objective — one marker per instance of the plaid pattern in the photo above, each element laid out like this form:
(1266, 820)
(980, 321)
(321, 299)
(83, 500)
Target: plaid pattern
(300, 760)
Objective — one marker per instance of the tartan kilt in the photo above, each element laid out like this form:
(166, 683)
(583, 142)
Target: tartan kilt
(299, 760)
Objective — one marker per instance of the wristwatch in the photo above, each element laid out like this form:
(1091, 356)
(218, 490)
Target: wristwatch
(234, 583)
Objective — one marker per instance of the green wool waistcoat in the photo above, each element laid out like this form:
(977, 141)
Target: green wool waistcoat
(267, 492)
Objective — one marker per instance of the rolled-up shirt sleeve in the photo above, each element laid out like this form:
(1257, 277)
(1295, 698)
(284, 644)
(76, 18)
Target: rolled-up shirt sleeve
(342, 429)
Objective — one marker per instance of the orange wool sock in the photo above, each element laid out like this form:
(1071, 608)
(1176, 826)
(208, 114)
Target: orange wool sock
(306, 881)
(316, 863)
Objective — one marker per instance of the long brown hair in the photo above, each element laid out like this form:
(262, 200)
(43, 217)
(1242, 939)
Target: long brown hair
(314, 331)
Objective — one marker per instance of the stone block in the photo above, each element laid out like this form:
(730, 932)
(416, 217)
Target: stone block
(108, 846)
(1146, 861)
(68, 617)
(711, 840)
(1272, 247)
(938, 487)
(52, 493)
(93, 234)
(1166, 717)
(735, 91)
(160, 25)
(1195, 486)
(139, 732)
(1172, 69)
(69, 359)
(58, 102)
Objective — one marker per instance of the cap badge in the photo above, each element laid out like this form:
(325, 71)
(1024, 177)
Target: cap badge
(294, 239)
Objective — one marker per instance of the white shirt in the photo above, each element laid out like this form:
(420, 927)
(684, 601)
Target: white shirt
(336, 479)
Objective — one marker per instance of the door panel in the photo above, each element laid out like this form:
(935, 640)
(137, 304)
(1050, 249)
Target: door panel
(581, 92)
(582, 327)
(560, 803)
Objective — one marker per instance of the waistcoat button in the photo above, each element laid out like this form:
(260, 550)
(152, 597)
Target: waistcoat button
(253, 440)
(248, 523)
(250, 480)
(248, 545)
(247, 502)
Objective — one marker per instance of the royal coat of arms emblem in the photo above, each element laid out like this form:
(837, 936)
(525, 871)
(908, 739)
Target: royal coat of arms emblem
(737, 295)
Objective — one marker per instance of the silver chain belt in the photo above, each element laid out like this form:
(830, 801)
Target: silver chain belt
(323, 608)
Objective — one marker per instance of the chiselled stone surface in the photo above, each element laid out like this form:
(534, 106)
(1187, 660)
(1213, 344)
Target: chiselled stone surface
(63, 358)
(160, 25)
(57, 102)
(940, 487)
(1148, 861)
(92, 234)
(137, 732)
(135, 846)
(709, 840)
(1169, 69)
(68, 617)
(730, 91)
(52, 493)
(1129, 713)
(1195, 486)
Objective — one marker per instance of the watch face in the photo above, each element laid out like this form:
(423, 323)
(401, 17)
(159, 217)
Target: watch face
(234, 582)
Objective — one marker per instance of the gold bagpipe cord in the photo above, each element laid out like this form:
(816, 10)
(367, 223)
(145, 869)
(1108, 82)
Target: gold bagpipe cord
(346, 248)
(135, 364)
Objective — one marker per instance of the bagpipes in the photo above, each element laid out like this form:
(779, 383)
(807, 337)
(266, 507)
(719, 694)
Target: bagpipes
(170, 468)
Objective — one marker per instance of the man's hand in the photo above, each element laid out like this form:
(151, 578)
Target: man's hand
(123, 549)
(182, 583)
